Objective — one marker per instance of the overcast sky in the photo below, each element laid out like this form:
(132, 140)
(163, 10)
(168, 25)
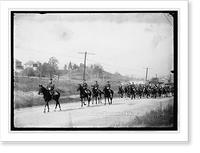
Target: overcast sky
(121, 42)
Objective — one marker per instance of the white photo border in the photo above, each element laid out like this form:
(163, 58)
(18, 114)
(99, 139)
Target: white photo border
(183, 127)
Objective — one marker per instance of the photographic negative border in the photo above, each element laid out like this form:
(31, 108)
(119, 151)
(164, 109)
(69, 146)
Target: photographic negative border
(175, 53)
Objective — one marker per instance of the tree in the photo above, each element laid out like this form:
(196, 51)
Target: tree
(29, 72)
(53, 66)
(46, 69)
(98, 70)
(81, 65)
(154, 81)
(65, 67)
(70, 66)
(54, 62)
(74, 67)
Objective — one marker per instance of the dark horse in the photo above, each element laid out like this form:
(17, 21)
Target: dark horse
(96, 94)
(133, 92)
(47, 97)
(108, 93)
(120, 91)
(84, 94)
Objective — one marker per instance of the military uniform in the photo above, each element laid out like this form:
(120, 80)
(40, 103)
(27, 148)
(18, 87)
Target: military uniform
(85, 87)
(51, 87)
(96, 85)
(108, 86)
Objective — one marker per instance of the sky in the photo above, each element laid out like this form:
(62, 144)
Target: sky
(122, 42)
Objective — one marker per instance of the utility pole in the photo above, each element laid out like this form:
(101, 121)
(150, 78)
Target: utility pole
(85, 62)
(147, 68)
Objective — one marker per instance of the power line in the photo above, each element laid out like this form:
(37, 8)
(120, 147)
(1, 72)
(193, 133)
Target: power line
(81, 59)
(49, 53)
(113, 65)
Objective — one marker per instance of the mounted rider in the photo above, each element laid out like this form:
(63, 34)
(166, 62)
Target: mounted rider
(108, 86)
(96, 85)
(85, 86)
(50, 87)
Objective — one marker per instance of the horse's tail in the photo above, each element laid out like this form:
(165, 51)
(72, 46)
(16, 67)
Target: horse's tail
(112, 92)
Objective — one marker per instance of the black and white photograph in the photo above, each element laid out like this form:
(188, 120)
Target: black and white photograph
(94, 70)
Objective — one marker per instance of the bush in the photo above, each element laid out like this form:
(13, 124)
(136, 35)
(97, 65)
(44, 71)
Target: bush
(26, 99)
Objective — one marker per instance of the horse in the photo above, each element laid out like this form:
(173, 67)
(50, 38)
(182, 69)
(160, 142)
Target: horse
(140, 91)
(132, 92)
(125, 91)
(84, 94)
(96, 94)
(154, 92)
(121, 92)
(146, 92)
(108, 93)
(47, 97)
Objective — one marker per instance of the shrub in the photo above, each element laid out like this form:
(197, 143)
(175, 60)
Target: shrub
(25, 99)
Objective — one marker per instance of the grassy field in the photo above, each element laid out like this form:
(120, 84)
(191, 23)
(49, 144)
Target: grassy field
(26, 90)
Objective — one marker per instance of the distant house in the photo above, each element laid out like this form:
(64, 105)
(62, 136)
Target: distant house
(31, 64)
(18, 66)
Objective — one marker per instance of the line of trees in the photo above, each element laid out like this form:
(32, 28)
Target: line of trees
(44, 70)
(50, 69)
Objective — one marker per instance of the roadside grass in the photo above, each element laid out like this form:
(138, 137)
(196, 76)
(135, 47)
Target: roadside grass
(30, 99)
(64, 86)
(26, 88)
(159, 117)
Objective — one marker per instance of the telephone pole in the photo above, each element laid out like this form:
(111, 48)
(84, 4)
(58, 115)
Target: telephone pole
(85, 62)
(147, 68)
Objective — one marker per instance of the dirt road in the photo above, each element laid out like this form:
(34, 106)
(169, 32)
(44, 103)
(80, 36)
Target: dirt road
(100, 115)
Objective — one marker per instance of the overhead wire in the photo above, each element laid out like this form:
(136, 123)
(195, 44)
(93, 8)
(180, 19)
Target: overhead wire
(33, 50)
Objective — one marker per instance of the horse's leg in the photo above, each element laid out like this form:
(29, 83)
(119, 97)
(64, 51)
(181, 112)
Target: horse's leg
(56, 106)
(81, 102)
(45, 107)
(88, 98)
(84, 101)
(59, 105)
(48, 106)
(92, 99)
(100, 99)
(105, 101)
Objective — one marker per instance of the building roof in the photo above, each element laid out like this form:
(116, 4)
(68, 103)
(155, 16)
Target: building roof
(29, 63)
